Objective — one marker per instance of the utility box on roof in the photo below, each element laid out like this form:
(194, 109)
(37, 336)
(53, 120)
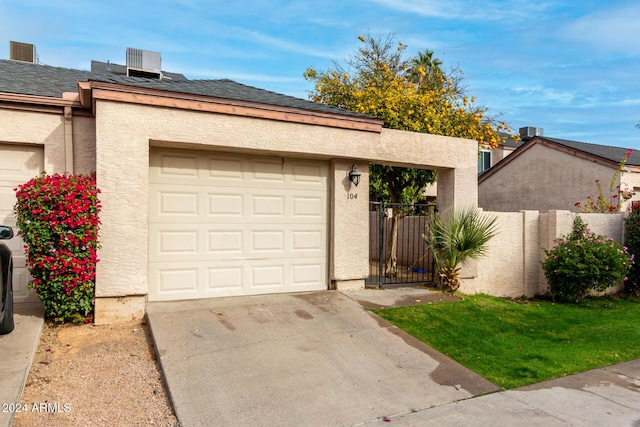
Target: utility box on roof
(143, 63)
(25, 52)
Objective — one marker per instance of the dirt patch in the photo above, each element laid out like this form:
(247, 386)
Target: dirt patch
(84, 375)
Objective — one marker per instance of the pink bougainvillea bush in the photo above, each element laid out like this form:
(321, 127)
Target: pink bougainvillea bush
(614, 200)
(58, 218)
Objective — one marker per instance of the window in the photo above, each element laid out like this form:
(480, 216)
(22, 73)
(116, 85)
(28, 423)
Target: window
(484, 160)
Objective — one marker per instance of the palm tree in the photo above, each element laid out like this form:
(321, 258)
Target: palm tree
(425, 71)
(454, 237)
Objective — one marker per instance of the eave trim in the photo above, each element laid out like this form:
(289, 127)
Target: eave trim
(160, 98)
(39, 100)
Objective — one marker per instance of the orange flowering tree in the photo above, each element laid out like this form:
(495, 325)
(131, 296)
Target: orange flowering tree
(413, 94)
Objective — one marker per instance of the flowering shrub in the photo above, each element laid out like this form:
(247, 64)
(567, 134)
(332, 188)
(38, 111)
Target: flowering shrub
(582, 261)
(616, 198)
(58, 220)
(632, 240)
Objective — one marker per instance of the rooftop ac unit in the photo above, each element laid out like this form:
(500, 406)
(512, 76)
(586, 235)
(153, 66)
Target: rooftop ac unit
(529, 132)
(25, 52)
(143, 63)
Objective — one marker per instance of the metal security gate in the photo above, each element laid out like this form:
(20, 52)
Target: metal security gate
(414, 262)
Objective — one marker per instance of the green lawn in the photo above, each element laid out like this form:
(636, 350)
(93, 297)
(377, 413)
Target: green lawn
(513, 344)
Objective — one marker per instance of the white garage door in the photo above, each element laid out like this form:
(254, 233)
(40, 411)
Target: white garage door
(225, 224)
(18, 164)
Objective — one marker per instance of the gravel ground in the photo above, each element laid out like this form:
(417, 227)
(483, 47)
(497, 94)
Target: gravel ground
(87, 375)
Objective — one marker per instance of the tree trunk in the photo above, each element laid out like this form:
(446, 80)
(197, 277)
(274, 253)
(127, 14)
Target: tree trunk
(391, 261)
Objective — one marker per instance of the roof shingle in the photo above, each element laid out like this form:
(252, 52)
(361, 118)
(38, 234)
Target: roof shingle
(614, 154)
(43, 80)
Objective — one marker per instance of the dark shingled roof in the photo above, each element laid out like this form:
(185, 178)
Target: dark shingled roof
(43, 80)
(615, 154)
(612, 154)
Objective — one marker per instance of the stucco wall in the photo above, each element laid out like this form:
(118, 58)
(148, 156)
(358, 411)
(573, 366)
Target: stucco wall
(512, 265)
(500, 153)
(543, 179)
(501, 272)
(46, 129)
(349, 252)
(122, 166)
(124, 133)
(630, 181)
(84, 144)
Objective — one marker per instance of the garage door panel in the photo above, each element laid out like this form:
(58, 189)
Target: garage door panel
(248, 225)
(267, 242)
(174, 242)
(225, 205)
(228, 170)
(267, 278)
(226, 280)
(179, 204)
(18, 164)
(226, 241)
(305, 206)
(173, 279)
(172, 167)
(268, 205)
(309, 175)
(268, 170)
(307, 240)
(307, 275)
(21, 279)
(183, 242)
(7, 201)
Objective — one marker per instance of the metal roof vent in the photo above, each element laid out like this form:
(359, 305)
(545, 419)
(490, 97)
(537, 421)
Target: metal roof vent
(143, 63)
(25, 52)
(529, 132)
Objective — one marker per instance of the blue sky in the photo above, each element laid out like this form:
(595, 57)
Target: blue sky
(570, 67)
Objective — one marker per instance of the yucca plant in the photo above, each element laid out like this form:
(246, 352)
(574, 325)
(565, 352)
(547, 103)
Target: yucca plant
(454, 237)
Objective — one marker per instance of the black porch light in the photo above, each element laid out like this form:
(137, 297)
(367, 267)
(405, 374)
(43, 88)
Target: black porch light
(354, 175)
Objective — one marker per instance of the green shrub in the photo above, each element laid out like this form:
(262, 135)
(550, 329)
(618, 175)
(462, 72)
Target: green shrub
(632, 241)
(58, 220)
(582, 261)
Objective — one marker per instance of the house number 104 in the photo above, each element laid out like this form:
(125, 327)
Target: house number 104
(352, 195)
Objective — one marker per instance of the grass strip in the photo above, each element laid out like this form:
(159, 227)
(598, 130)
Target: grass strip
(515, 343)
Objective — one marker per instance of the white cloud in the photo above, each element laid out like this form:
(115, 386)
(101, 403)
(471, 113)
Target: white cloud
(630, 102)
(490, 10)
(540, 95)
(611, 29)
(205, 73)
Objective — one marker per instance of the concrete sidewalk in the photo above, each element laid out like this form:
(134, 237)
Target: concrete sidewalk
(16, 354)
(321, 359)
(602, 397)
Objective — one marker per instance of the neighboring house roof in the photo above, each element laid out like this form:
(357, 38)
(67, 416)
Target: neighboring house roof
(26, 78)
(42, 80)
(615, 154)
(603, 154)
(509, 141)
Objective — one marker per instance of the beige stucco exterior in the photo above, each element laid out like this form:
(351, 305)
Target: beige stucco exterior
(512, 265)
(543, 178)
(112, 135)
(47, 129)
(124, 133)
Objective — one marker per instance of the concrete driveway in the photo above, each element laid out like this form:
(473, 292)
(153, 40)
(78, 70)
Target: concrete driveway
(320, 359)
(297, 359)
